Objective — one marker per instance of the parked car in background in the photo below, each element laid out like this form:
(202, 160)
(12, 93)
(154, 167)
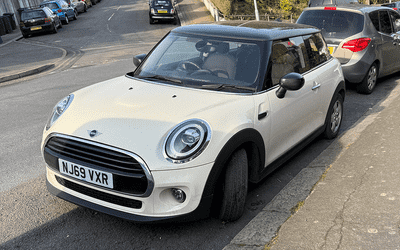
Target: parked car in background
(79, 5)
(39, 20)
(210, 109)
(394, 5)
(69, 10)
(162, 10)
(315, 3)
(365, 39)
(56, 8)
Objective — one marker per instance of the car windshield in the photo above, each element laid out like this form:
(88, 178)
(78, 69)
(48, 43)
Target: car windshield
(32, 15)
(203, 62)
(50, 5)
(161, 2)
(333, 23)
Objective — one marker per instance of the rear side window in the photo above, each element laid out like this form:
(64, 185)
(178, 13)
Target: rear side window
(381, 21)
(33, 14)
(317, 50)
(334, 23)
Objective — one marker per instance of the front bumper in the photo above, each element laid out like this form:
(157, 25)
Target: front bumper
(160, 205)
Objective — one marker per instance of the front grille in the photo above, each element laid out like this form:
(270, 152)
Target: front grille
(100, 195)
(129, 173)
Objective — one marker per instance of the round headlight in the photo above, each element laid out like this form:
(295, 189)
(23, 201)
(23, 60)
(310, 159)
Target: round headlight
(187, 140)
(59, 109)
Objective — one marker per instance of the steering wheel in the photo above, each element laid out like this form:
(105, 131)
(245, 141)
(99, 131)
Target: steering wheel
(190, 66)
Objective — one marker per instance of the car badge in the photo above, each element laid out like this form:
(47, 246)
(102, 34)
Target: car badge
(94, 133)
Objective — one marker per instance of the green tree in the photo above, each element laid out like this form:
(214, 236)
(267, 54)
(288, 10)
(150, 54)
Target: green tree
(286, 5)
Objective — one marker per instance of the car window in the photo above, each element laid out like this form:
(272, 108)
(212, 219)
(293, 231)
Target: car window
(287, 56)
(201, 61)
(385, 24)
(316, 48)
(334, 23)
(394, 16)
(51, 5)
(33, 14)
(161, 2)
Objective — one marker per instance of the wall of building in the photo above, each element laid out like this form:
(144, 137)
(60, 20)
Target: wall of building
(12, 6)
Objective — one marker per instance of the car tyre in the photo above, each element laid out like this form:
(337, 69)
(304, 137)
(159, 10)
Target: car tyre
(75, 17)
(235, 186)
(66, 20)
(369, 82)
(55, 28)
(151, 20)
(85, 9)
(25, 35)
(334, 117)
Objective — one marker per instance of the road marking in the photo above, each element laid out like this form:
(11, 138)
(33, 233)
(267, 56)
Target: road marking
(111, 17)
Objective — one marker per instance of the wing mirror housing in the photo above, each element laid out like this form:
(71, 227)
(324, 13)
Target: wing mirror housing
(138, 59)
(292, 82)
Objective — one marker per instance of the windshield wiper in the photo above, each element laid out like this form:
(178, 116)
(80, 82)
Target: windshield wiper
(159, 77)
(225, 86)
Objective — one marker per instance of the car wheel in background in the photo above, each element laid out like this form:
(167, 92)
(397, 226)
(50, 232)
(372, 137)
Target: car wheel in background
(234, 187)
(334, 117)
(369, 82)
(55, 28)
(66, 20)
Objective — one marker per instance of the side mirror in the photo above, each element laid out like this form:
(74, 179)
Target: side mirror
(292, 81)
(137, 60)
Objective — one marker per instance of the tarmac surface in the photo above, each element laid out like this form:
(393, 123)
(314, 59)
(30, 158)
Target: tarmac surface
(354, 202)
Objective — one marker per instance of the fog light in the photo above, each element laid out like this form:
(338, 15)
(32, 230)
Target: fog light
(179, 195)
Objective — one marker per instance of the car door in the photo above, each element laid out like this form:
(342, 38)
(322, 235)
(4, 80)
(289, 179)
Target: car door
(389, 49)
(395, 20)
(295, 116)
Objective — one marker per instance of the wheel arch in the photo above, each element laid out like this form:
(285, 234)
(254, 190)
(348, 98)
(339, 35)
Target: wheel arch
(249, 139)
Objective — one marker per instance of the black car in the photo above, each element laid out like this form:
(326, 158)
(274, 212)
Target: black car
(39, 20)
(162, 10)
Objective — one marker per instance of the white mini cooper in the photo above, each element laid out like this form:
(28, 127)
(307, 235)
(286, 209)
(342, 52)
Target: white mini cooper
(211, 108)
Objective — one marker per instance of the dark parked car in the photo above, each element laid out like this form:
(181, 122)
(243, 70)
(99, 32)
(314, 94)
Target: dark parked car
(395, 6)
(210, 109)
(365, 39)
(162, 10)
(39, 20)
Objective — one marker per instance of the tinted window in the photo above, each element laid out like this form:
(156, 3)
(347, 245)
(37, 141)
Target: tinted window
(33, 14)
(333, 23)
(317, 50)
(374, 16)
(287, 56)
(385, 24)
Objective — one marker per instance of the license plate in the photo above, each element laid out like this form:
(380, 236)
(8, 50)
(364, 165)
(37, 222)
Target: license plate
(83, 173)
(331, 49)
(36, 28)
(162, 11)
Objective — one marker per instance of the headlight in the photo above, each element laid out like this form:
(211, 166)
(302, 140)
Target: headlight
(187, 140)
(153, 11)
(59, 109)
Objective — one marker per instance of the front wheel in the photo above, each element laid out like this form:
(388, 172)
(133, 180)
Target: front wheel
(369, 82)
(334, 117)
(66, 20)
(234, 187)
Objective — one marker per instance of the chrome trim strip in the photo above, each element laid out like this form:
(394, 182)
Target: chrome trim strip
(150, 180)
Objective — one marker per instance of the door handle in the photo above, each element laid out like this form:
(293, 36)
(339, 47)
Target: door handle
(316, 86)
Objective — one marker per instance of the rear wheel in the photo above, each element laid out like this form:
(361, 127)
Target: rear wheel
(66, 21)
(369, 82)
(334, 117)
(234, 187)
(75, 16)
(25, 35)
(84, 8)
(55, 28)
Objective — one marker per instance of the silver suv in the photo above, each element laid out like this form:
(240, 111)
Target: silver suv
(365, 39)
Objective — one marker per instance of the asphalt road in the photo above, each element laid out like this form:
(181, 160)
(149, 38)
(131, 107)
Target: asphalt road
(31, 218)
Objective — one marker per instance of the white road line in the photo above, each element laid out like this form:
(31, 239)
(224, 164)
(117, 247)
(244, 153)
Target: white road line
(111, 17)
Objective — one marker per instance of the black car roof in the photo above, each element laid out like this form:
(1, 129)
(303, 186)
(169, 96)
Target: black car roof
(254, 30)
